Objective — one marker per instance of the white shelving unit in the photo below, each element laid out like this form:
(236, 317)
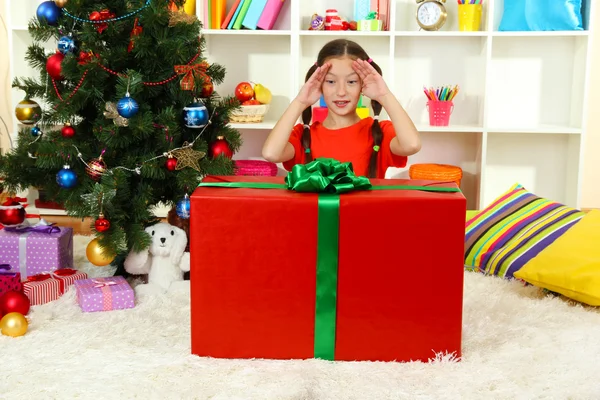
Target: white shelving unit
(519, 117)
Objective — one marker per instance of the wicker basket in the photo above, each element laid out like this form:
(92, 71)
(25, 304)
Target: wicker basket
(249, 113)
(436, 172)
(255, 168)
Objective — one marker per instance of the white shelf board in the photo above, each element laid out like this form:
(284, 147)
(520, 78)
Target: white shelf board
(345, 33)
(253, 125)
(543, 129)
(539, 33)
(440, 34)
(20, 28)
(261, 32)
(450, 128)
(45, 211)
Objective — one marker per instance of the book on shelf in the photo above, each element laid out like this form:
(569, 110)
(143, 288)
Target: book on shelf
(243, 14)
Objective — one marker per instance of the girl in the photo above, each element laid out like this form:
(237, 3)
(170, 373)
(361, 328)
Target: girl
(343, 70)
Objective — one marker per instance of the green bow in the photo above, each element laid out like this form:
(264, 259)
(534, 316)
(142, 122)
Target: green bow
(329, 178)
(325, 175)
(372, 15)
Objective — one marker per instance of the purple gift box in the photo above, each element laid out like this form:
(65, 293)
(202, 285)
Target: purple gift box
(36, 250)
(104, 294)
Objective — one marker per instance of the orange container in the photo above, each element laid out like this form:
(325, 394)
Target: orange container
(436, 172)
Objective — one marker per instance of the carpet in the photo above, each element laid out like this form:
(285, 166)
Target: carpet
(518, 344)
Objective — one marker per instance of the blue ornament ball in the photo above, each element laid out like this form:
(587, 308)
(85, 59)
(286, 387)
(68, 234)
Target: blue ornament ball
(66, 178)
(49, 13)
(195, 115)
(183, 207)
(36, 131)
(67, 44)
(127, 107)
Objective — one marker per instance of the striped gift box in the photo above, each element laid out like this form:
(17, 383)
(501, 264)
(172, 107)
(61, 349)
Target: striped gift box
(44, 288)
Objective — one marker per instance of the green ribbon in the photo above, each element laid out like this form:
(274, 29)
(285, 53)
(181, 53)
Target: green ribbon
(372, 15)
(329, 178)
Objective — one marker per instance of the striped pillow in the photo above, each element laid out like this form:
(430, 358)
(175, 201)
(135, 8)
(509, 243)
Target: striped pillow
(513, 229)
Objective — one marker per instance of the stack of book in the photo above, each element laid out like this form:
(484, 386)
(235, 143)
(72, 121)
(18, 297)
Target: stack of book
(244, 14)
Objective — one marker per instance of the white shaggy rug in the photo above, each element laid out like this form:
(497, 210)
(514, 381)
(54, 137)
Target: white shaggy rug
(518, 344)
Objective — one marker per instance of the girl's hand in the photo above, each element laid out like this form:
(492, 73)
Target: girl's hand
(373, 85)
(311, 92)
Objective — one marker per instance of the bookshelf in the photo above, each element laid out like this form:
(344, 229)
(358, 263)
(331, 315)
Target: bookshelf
(519, 117)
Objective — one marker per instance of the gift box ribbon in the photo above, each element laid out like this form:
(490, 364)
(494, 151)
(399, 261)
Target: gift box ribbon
(330, 179)
(58, 274)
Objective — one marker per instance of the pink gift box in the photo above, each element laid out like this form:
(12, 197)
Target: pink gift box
(9, 281)
(104, 294)
(44, 288)
(36, 250)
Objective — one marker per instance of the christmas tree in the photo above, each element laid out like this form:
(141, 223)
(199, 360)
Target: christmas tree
(122, 118)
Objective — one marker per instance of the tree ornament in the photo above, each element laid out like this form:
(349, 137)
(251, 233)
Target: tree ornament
(95, 168)
(61, 3)
(12, 213)
(207, 89)
(48, 12)
(171, 163)
(14, 302)
(13, 324)
(220, 147)
(66, 178)
(67, 131)
(53, 66)
(95, 254)
(36, 131)
(67, 44)
(111, 113)
(28, 112)
(136, 31)
(183, 207)
(101, 16)
(188, 157)
(195, 115)
(127, 107)
(102, 224)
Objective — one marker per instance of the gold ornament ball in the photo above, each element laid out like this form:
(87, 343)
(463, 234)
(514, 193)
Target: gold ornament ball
(28, 112)
(13, 324)
(95, 254)
(60, 3)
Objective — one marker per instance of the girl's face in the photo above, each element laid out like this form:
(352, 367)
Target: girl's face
(341, 87)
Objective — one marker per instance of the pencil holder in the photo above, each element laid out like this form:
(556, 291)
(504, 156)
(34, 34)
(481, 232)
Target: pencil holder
(469, 17)
(439, 112)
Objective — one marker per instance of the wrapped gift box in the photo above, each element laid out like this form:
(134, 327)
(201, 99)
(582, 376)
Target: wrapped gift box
(9, 281)
(104, 294)
(260, 287)
(36, 250)
(369, 25)
(44, 288)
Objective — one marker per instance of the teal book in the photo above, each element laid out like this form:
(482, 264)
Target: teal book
(237, 12)
(254, 13)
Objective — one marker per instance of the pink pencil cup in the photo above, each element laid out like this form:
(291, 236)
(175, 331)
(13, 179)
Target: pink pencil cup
(439, 112)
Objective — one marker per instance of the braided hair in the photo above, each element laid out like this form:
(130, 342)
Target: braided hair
(338, 48)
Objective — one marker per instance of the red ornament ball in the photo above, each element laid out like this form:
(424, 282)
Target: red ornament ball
(12, 213)
(102, 224)
(207, 89)
(96, 168)
(220, 147)
(171, 163)
(54, 67)
(67, 131)
(14, 302)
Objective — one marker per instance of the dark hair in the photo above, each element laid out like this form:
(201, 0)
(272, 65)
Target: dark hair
(339, 48)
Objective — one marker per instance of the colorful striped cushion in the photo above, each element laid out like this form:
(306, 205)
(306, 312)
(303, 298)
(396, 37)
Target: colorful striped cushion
(513, 229)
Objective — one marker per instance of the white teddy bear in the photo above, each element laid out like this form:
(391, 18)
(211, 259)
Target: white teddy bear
(165, 261)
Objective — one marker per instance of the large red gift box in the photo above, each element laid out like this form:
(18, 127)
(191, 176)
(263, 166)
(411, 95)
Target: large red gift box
(254, 277)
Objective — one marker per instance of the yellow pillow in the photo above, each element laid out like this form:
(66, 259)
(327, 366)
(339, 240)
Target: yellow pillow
(571, 264)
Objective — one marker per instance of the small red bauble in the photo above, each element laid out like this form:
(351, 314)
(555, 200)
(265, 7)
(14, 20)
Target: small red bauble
(67, 131)
(220, 146)
(171, 163)
(53, 66)
(12, 213)
(207, 89)
(95, 168)
(102, 224)
(14, 302)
